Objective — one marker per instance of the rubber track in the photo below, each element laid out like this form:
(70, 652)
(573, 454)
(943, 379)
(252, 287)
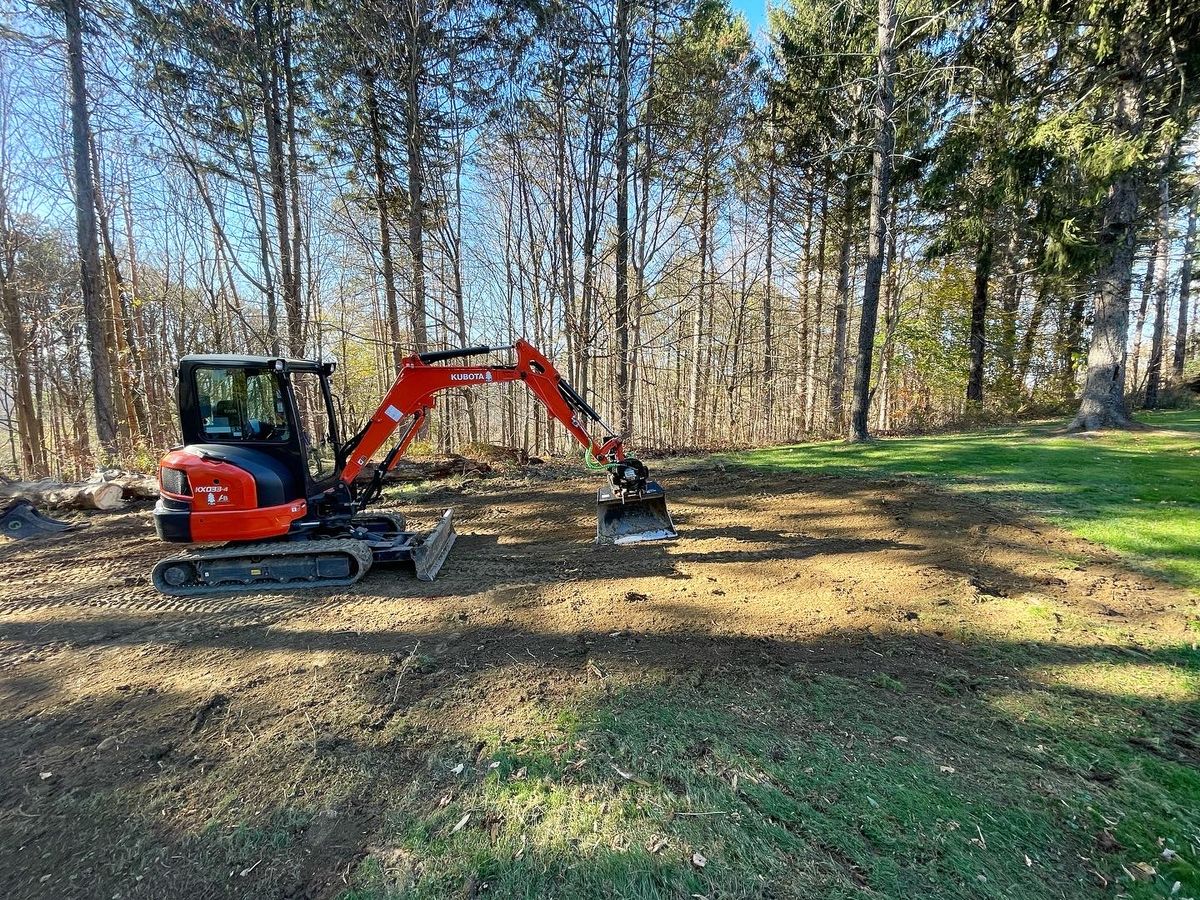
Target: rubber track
(353, 548)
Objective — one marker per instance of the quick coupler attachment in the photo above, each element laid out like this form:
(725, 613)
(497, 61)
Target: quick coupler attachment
(632, 518)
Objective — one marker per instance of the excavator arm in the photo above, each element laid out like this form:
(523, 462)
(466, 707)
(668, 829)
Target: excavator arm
(630, 507)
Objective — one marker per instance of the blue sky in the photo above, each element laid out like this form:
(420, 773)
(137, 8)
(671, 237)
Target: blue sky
(755, 12)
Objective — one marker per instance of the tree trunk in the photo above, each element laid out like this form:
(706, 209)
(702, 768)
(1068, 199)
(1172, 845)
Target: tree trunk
(698, 320)
(1148, 282)
(768, 317)
(881, 193)
(1010, 304)
(814, 352)
(1185, 285)
(298, 242)
(1103, 402)
(621, 316)
(32, 459)
(391, 308)
(1154, 369)
(87, 236)
(126, 357)
(837, 377)
(979, 302)
(102, 495)
(416, 208)
(265, 40)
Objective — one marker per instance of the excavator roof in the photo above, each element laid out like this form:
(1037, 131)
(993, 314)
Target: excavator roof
(236, 359)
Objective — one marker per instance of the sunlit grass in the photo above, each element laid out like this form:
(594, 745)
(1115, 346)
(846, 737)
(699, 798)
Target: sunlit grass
(814, 787)
(1137, 492)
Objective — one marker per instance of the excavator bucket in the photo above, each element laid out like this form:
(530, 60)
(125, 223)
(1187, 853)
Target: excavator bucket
(631, 520)
(21, 520)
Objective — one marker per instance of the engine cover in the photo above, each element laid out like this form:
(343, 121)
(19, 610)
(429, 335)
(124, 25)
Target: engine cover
(215, 492)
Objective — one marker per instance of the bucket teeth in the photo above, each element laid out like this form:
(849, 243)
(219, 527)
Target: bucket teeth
(633, 520)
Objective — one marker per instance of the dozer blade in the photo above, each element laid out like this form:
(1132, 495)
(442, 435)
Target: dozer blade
(21, 520)
(635, 519)
(431, 552)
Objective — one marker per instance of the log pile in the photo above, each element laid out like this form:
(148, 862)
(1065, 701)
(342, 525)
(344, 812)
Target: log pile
(107, 490)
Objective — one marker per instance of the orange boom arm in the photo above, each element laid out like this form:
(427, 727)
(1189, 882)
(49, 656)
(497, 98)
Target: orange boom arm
(412, 396)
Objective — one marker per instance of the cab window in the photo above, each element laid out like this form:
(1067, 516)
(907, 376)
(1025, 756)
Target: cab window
(239, 404)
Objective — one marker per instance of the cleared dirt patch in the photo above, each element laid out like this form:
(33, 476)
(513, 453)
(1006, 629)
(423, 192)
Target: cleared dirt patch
(259, 746)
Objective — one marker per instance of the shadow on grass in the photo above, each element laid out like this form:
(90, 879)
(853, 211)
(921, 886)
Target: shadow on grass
(1138, 493)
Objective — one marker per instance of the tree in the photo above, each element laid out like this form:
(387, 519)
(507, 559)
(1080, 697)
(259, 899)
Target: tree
(87, 234)
(881, 187)
(1185, 286)
(1141, 65)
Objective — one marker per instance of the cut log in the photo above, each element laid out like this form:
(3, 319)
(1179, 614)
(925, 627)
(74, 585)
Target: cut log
(134, 486)
(101, 495)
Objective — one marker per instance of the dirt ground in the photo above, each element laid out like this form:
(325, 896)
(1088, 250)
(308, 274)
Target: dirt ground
(143, 737)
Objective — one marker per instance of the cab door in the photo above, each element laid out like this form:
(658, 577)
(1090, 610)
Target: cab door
(318, 434)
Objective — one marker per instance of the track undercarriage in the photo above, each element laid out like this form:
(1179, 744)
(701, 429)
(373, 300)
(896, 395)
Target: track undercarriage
(334, 559)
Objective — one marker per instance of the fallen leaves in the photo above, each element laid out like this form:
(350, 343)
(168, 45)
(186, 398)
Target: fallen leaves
(699, 860)
(462, 823)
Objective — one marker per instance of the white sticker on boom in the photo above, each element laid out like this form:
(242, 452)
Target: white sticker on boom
(394, 414)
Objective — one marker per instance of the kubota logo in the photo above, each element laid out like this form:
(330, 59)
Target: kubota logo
(471, 376)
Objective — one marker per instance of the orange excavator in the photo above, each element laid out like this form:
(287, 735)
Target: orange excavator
(263, 473)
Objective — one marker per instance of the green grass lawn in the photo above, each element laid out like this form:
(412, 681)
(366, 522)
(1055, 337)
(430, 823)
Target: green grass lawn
(1137, 492)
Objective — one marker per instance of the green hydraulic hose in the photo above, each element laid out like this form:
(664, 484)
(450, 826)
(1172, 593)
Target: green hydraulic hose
(590, 461)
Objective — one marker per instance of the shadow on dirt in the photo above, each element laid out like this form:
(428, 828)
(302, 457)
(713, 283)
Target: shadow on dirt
(310, 745)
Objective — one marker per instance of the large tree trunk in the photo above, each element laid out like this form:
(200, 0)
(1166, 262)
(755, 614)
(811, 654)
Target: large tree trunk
(1185, 285)
(29, 424)
(87, 236)
(1103, 402)
(881, 188)
(621, 315)
(298, 242)
(103, 495)
(1010, 304)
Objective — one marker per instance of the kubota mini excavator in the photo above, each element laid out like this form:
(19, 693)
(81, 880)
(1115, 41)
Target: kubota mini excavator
(263, 472)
